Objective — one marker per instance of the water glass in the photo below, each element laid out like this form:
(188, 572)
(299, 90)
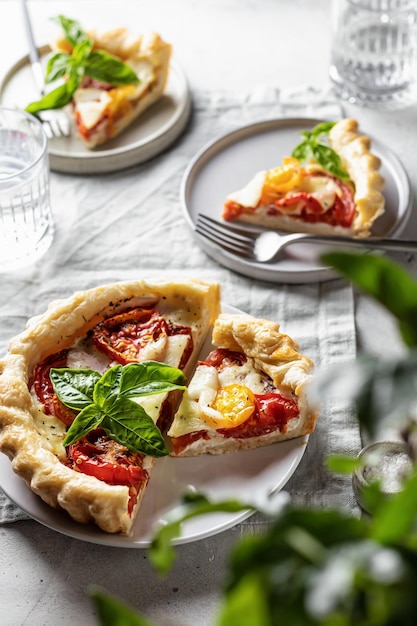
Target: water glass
(374, 52)
(26, 225)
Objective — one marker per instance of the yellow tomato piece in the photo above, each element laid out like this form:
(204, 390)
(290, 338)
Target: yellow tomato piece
(236, 403)
(282, 179)
(119, 97)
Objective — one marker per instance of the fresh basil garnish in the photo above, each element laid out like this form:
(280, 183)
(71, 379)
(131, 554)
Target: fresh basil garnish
(74, 34)
(312, 146)
(106, 401)
(83, 60)
(106, 68)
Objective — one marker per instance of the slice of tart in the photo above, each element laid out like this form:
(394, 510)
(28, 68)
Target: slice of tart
(102, 111)
(250, 391)
(339, 192)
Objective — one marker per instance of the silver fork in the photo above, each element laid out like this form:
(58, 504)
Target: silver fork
(55, 123)
(265, 246)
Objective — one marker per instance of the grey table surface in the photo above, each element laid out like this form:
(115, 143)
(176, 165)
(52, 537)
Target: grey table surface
(236, 56)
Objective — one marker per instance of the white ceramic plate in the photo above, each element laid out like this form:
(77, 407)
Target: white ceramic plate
(236, 475)
(149, 135)
(229, 162)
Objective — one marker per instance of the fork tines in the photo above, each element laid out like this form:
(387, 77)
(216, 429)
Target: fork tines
(232, 239)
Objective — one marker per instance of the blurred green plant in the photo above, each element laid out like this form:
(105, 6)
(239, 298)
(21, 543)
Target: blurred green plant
(324, 567)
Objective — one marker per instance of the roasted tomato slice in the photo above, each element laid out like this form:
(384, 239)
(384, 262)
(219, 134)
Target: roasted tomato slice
(98, 455)
(44, 389)
(222, 357)
(123, 336)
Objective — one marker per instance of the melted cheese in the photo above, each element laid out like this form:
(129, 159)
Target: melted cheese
(250, 195)
(322, 188)
(51, 429)
(202, 390)
(91, 102)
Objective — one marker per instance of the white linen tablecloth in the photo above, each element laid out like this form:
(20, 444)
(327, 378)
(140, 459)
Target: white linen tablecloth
(129, 224)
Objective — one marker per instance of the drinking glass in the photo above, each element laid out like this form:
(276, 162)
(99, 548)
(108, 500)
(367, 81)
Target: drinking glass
(26, 225)
(374, 52)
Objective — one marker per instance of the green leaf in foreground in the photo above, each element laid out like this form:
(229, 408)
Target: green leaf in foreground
(161, 551)
(113, 612)
(383, 391)
(386, 282)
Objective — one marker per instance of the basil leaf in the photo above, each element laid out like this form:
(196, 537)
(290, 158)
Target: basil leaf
(106, 68)
(386, 282)
(55, 99)
(57, 66)
(74, 387)
(322, 129)
(144, 379)
(72, 29)
(89, 419)
(127, 423)
(108, 386)
(330, 160)
(302, 152)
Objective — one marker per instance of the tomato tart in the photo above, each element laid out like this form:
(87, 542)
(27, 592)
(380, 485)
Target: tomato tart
(250, 391)
(327, 188)
(87, 387)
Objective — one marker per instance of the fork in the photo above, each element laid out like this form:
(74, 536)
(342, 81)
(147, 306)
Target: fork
(265, 246)
(55, 123)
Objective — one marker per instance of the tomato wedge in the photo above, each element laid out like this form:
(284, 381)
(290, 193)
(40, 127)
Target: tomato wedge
(123, 336)
(44, 389)
(98, 455)
(222, 357)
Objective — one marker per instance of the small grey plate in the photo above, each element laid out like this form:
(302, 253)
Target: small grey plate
(230, 161)
(148, 136)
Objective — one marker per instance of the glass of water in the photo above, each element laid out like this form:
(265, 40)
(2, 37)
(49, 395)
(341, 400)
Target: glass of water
(374, 52)
(26, 225)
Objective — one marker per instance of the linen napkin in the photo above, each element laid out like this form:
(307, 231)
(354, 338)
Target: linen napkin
(129, 225)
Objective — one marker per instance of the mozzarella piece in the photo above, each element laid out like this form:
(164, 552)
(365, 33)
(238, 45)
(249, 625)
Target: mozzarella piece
(90, 103)
(87, 357)
(323, 189)
(49, 428)
(250, 195)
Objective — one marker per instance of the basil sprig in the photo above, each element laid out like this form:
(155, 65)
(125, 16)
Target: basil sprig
(312, 146)
(96, 64)
(106, 401)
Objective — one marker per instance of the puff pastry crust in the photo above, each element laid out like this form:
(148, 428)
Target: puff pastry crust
(366, 188)
(115, 109)
(273, 355)
(33, 456)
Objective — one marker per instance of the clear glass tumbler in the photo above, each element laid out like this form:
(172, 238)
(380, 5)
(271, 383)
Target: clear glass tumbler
(26, 225)
(374, 52)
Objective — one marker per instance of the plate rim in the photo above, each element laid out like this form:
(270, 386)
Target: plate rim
(92, 162)
(92, 534)
(262, 271)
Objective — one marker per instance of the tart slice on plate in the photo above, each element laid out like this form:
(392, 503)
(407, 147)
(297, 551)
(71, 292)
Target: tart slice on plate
(250, 391)
(108, 78)
(332, 187)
